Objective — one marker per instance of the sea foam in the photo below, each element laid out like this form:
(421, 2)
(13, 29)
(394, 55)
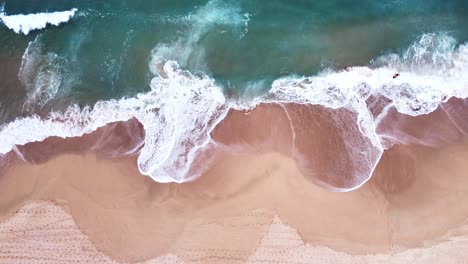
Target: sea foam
(26, 23)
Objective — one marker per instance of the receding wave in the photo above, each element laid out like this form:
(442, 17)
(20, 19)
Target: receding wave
(26, 23)
(346, 117)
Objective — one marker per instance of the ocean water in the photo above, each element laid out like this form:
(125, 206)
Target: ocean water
(181, 67)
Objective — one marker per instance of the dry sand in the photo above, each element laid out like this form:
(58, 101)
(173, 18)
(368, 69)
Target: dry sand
(247, 208)
(43, 232)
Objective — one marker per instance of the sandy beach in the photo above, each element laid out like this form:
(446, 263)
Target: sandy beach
(247, 208)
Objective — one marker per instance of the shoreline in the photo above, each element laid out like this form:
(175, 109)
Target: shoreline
(330, 148)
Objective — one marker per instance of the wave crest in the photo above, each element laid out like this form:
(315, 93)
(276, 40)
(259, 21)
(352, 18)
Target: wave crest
(27, 23)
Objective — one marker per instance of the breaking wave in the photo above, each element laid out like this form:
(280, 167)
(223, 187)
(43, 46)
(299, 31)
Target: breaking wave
(26, 23)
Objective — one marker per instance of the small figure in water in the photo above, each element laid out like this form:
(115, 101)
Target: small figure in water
(396, 75)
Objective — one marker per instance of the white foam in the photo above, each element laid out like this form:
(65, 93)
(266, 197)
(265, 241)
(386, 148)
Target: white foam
(189, 108)
(182, 108)
(26, 23)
